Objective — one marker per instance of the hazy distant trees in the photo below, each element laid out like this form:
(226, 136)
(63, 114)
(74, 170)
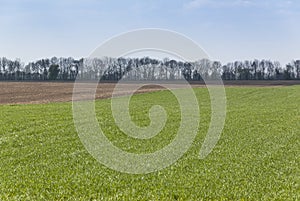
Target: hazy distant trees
(114, 69)
(53, 72)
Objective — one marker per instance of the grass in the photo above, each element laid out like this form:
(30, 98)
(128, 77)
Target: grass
(257, 157)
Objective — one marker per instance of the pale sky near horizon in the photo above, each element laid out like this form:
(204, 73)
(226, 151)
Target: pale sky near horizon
(228, 30)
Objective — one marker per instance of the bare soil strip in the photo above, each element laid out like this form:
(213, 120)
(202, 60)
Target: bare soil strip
(47, 92)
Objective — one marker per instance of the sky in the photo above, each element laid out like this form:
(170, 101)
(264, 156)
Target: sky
(227, 30)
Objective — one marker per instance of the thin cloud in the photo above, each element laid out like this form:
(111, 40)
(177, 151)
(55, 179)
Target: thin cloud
(195, 4)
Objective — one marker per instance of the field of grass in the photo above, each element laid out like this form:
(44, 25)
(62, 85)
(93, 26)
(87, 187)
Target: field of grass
(257, 157)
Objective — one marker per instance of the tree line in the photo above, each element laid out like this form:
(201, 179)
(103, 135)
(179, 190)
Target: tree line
(113, 69)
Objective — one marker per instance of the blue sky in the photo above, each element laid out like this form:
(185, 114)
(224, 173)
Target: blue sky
(227, 29)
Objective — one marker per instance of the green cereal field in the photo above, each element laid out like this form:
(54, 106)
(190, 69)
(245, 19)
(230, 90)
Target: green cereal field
(256, 158)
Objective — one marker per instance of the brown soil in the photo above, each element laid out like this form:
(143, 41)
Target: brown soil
(45, 92)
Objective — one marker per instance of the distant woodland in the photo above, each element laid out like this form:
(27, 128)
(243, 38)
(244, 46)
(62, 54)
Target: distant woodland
(113, 69)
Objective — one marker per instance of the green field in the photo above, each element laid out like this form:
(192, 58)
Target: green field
(257, 157)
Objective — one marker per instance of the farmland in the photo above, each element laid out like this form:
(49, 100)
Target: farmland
(257, 157)
(48, 92)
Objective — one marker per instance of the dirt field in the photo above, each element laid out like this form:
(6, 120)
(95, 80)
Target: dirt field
(45, 92)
